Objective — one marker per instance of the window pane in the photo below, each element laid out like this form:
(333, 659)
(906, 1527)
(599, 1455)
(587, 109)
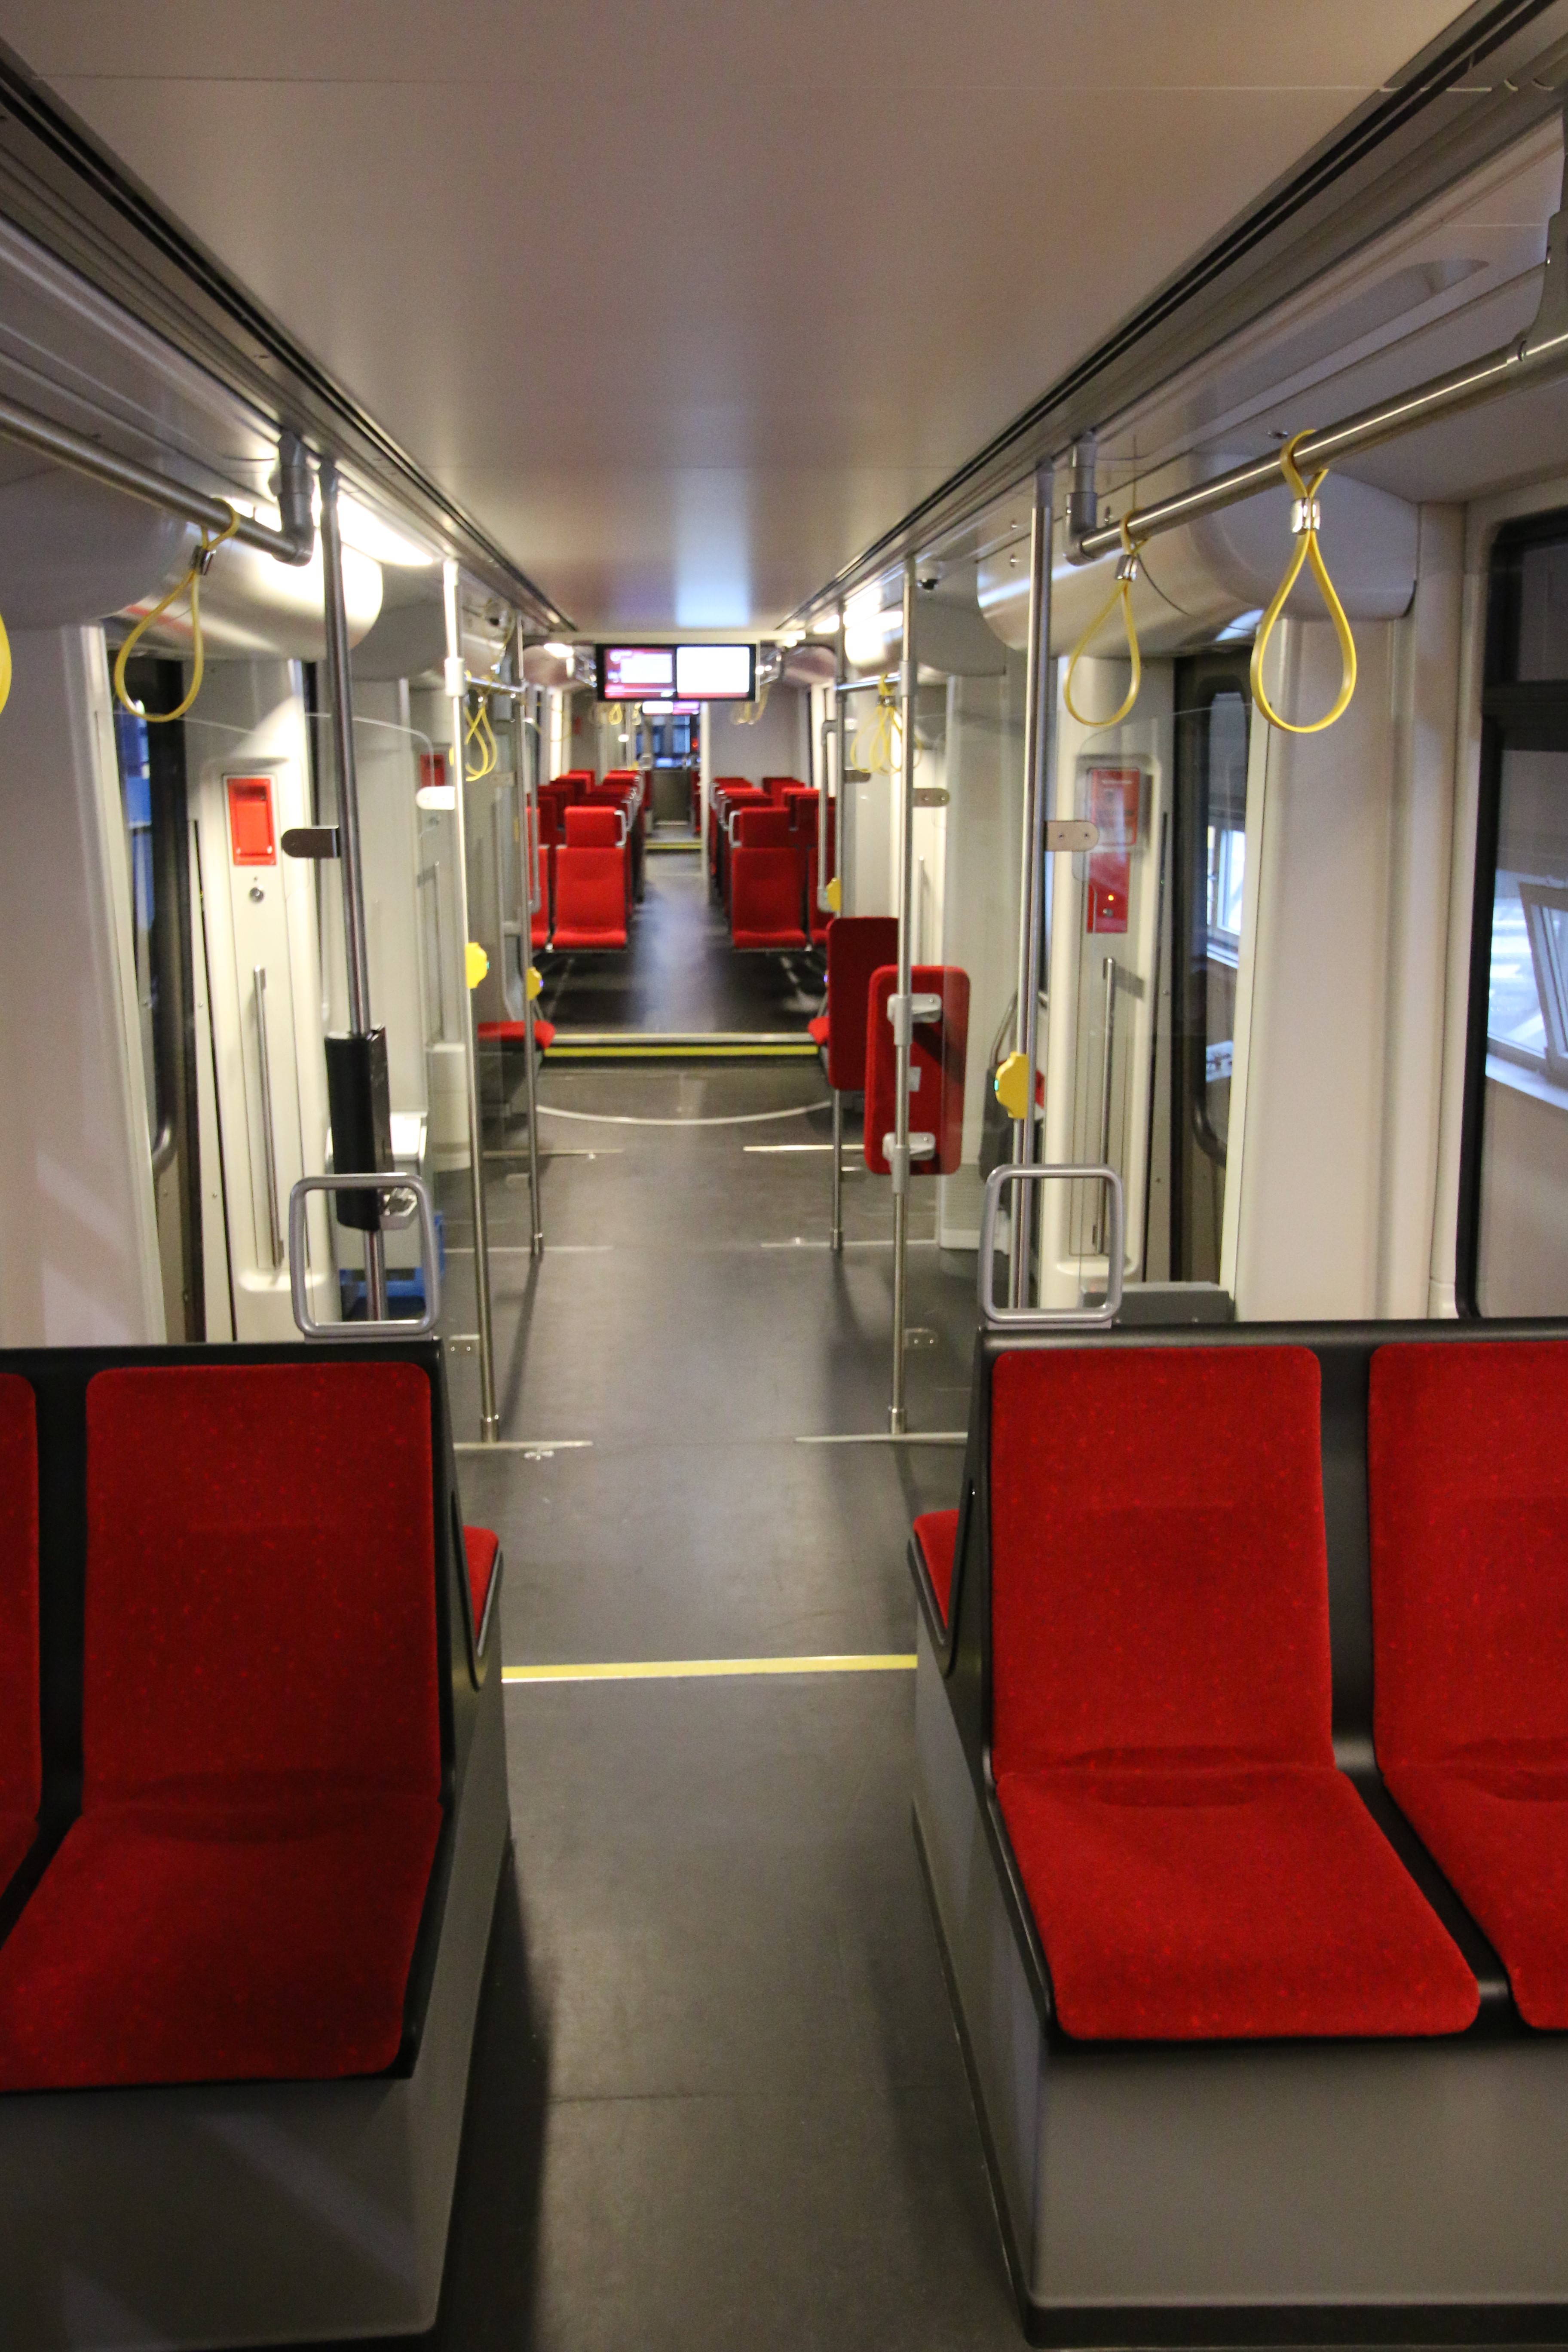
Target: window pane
(1523, 1266)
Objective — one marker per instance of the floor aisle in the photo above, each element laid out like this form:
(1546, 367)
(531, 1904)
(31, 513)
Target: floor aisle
(718, 2101)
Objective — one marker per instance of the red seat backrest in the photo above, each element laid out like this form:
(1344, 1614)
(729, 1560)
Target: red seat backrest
(765, 888)
(21, 1769)
(775, 787)
(857, 945)
(761, 828)
(800, 805)
(539, 928)
(938, 1054)
(1159, 1572)
(260, 1581)
(593, 828)
(576, 781)
(1467, 1485)
(591, 895)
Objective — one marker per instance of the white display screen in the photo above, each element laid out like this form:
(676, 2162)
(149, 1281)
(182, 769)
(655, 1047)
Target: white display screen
(632, 673)
(714, 673)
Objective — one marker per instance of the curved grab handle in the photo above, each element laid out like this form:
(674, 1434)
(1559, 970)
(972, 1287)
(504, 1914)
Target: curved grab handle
(1051, 1319)
(398, 1326)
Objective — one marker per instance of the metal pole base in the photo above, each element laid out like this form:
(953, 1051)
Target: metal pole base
(897, 1421)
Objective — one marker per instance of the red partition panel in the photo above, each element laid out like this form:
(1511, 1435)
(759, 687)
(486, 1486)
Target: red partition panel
(937, 1055)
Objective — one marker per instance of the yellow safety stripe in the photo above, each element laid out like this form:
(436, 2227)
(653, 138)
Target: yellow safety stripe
(661, 1670)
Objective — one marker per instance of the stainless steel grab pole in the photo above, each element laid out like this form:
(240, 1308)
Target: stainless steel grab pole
(898, 1418)
(837, 724)
(340, 686)
(532, 876)
(1038, 745)
(457, 689)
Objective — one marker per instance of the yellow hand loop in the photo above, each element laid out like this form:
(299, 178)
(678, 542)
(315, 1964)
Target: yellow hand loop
(480, 731)
(1307, 552)
(193, 581)
(1126, 572)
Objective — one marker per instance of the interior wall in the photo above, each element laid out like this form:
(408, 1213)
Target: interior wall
(1336, 1181)
(386, 762)
(776, 746)
(79, 1243)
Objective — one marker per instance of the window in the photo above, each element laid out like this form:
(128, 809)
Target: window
(1512, 1256)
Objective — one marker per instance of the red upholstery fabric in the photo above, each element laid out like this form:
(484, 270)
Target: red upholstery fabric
(776, 787)
(261, 1735)
(816, 1029)
(765, 898)
(590, 896)
(936, 1532)
(21, 1765)
(857, 945)
(1160, 1692)
(1470, 1591)
(761, 828)
(593, 828)
(479, 1548)
(515, 1033)
(937, 1057)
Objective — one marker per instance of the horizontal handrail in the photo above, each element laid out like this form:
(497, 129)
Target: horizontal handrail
(398, 1326)
(1051, 1319)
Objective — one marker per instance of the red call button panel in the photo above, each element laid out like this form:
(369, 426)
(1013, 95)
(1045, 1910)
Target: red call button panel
(250, 835)
(1113, 795)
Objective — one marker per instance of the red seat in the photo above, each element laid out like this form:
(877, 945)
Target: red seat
(1468, 1491)
(481, 1549)
(21, 1764)
(857, 945)
(592, 884)
(539, 926)
(240, 1896)
(776, 787)
(936, 1533)
(1197, 1866)
(515, 1033)
(938, 1054)
(766, 897)
(816, 1029)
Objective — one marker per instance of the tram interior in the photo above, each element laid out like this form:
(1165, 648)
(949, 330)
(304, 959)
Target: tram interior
(685, 1659)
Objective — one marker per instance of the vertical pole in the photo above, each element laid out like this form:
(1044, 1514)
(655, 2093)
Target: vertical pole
(532, 883)
(1038, 746)
(838, 1240)
(704, 778)
(898, 1418)
(356, 952)
(458, 698)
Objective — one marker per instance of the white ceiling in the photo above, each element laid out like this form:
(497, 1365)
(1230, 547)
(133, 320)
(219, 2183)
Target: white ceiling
(687, 303)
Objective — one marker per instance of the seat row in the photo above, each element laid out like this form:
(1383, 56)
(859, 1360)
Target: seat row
(252, 1810)
(1249, 1776)
(763, 862)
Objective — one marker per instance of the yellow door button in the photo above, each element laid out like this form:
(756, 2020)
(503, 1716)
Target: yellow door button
(834, 894)
(533, 982)
(1013, 1085)
(478, 963)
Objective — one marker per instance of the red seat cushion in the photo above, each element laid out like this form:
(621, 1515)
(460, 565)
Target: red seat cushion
(479, 1546)
(817, 1029)
(261, 1735)
(1470, 1586)
(515, 1033)
(1197, 1865)
(936, 1532)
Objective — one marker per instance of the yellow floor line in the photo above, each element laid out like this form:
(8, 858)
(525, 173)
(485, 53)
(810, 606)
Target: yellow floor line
(658, 1670)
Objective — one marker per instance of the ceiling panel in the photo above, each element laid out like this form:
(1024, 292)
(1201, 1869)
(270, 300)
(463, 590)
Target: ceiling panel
(686, 304)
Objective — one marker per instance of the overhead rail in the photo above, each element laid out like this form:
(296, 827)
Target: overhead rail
(295, 542)
(1372, 172)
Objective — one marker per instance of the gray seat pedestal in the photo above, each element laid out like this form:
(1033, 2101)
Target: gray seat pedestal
(1264, 2192)
(138, 2220)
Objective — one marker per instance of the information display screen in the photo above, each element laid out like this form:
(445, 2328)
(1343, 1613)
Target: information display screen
(688, 672)
(716, 673)
(634, 673)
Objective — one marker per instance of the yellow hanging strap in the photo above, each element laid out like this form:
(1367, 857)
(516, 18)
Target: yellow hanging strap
(480, 731)
(1126, 572)
(5, 667)
(873, 747)
(1304, 521)
(193, 581)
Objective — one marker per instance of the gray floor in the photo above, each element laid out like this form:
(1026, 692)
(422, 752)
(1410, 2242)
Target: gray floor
(717, 2097)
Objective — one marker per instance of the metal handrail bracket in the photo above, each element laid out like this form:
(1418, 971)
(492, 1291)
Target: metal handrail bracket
(1051, 1319)
(391, 1325)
